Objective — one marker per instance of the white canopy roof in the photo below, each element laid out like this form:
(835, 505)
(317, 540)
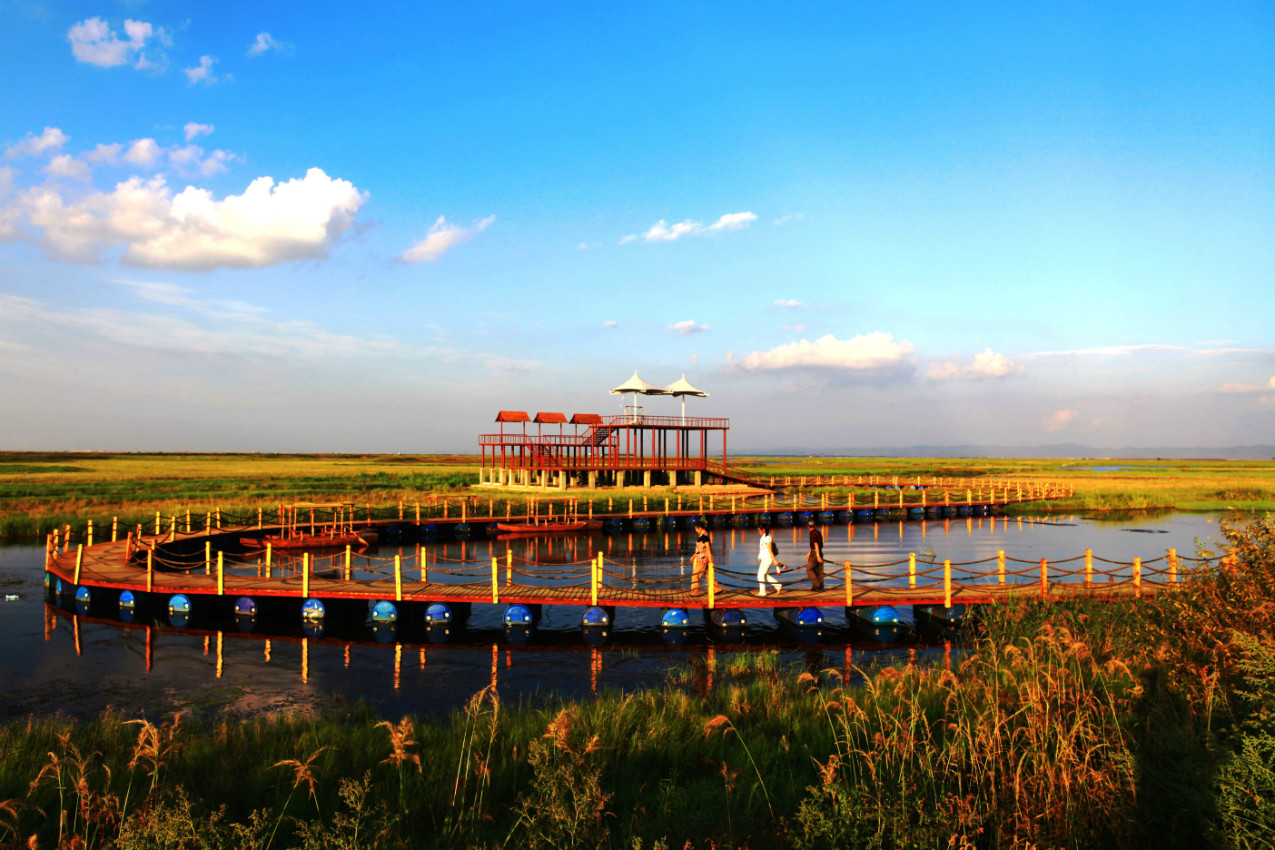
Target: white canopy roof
(637, 385)
(683, 387)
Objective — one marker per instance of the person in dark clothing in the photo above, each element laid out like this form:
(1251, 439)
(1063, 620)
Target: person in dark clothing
(814, 560)
(702, 558)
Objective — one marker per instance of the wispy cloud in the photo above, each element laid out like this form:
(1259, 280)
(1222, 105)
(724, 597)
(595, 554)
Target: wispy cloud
(687, 327)
(443, 237)
(790, 303)
(662, 231)
(610, 323)
(787, 219)
(1060, 420)
(193, 130)
(265, 42)
(1243, 389)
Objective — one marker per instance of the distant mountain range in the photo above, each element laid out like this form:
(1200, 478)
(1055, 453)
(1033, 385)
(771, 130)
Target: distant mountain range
(1057, 450)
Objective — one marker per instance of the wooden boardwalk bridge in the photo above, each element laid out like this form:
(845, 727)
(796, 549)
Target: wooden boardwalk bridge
(212, 570)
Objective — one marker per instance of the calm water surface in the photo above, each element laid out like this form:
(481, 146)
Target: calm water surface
(56, 661)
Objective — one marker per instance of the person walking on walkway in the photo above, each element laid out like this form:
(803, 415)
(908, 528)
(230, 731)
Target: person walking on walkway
(703, 557)
(766, 559)
(814, 559)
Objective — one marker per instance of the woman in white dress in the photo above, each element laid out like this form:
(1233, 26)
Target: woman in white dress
(765, 560)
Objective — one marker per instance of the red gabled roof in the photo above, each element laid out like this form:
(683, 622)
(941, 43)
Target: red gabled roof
(551, 418)
(586, 419)
(513, 416)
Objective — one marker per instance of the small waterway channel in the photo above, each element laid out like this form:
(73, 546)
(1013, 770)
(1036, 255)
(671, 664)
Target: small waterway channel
(57, 661)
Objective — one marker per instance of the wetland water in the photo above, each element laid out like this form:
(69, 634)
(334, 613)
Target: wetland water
(54, 661)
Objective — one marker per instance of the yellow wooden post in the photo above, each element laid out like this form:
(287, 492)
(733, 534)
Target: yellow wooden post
(418, 511)
(1137, 576)
(969, 497)
(425, 565)
(1173, 565)
(876, 498)
(947, 583)
(221, 574)
(115, 528)
(900, 498)
(712, 585)
(150, 570)
(348, 566)
(260, 518)
(464, 511)
(305, 574)
(269, 554)
(88, 538)
(1000, 566)
(398, 578)
(849, 584)
(1088, 566)
(79, 560)
(1044, 577)
(630, 508)
(207, 557)
(911, 569)
(595, 569)
(509, 566)
(495, 579)
(157, 522)
(218, 518)
(188, 520)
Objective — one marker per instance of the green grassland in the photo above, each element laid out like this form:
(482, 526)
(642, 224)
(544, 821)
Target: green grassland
(40, 490)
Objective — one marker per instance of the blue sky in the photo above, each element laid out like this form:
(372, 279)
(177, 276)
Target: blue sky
(320, 227)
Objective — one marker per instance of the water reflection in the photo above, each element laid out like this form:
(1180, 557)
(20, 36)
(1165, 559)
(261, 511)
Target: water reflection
(268, 660)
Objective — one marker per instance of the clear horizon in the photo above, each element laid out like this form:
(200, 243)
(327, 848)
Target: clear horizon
(300, 228)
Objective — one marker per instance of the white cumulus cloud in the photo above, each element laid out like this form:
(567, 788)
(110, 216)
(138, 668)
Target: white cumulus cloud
(194, 130)
(610, 323)
(191, 160)
(990, 364)
(143, 152)
(872, 352)
(65, 165)
(790, 303)
(987, 364)
(51, 139)
(95, 43)
(442, 237)
(687, 327)
(202, 73)
(269, 223)
(662, 231)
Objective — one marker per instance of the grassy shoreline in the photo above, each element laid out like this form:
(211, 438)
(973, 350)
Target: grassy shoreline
(1140, 724)
(41, 491)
